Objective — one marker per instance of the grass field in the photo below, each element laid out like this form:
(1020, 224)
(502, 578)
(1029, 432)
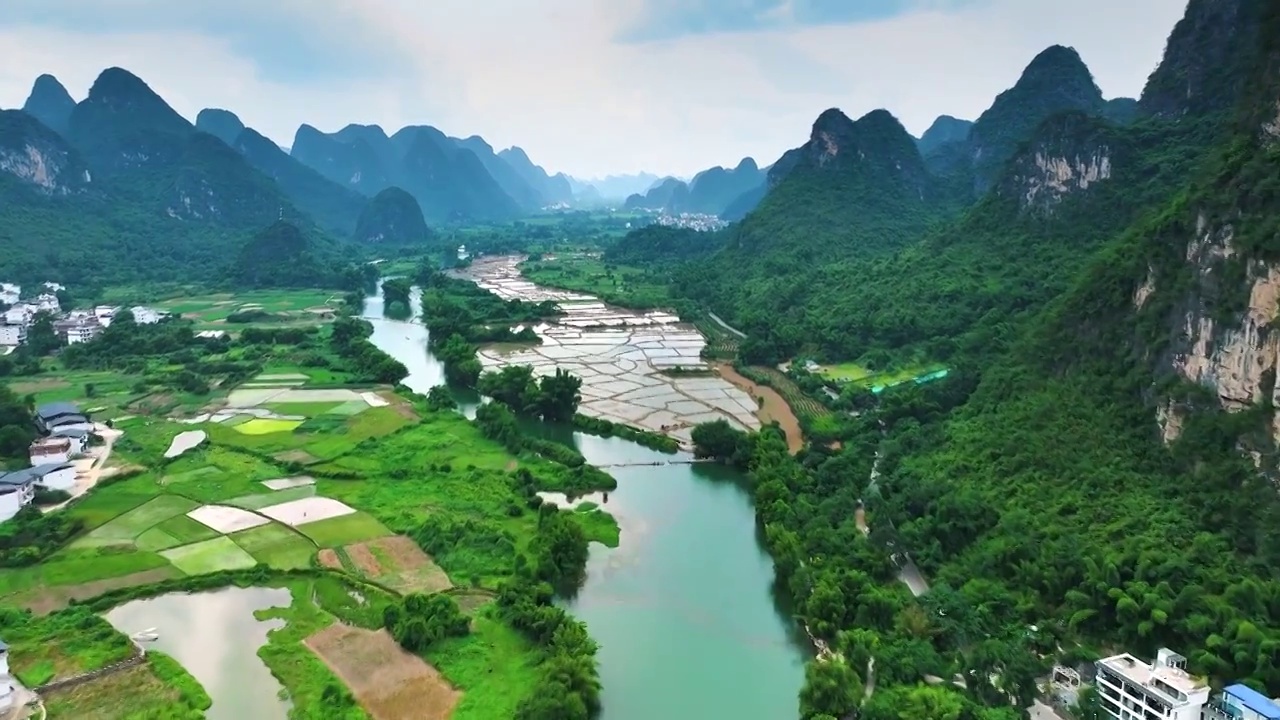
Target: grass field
(274, 497)
(276, 545)
(865, 377)
(123, 529)
(264, 426)
(344, 530)
(616, 284)
(285, 307)
(220, 553)
(305, 409)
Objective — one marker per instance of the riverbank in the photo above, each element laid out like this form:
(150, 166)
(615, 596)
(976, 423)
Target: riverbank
(773, 408)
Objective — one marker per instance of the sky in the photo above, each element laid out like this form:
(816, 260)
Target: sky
(586, 87)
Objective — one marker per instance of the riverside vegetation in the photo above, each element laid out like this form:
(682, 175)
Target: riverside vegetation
(1032, 484)
(414, 469)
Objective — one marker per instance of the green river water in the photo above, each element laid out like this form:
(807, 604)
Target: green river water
(684, 610)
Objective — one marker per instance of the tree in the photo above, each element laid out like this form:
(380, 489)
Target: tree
(720, 440)
(41, 337)
(558, 396)
(439, 398)
(831, 687)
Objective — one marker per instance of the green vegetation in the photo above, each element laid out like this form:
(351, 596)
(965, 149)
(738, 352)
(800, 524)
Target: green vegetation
(220, 553)
(276, 545)
(344, 530)
(74, 641)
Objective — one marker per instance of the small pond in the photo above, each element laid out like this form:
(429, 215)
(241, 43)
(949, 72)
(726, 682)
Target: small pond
(216, 638)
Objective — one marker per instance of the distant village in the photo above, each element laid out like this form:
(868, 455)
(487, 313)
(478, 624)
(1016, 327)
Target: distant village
(73, 326)
(691, 221)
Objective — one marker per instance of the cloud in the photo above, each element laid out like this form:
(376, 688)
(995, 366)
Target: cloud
(553, 77)
(671, 19)
(290, 41)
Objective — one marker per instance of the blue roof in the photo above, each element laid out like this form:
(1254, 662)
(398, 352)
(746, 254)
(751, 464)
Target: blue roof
(1255, 701)
(54, 409)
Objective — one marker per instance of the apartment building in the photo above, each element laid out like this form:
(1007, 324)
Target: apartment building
(1130, 689)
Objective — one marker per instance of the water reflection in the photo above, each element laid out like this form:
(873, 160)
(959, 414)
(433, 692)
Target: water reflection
(215, 636)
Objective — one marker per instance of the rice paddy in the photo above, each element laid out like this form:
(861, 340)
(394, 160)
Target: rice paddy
(220, 553)
(263, 426)
(276, 545)
(353, 528)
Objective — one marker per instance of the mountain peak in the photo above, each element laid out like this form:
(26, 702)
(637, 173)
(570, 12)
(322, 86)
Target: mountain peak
(747, 164)
(116, 81)
(1055, 81)
(222, 124)
(832, 120)
(50, 103)
(124, 123)
(1203, 67)
(944, 130)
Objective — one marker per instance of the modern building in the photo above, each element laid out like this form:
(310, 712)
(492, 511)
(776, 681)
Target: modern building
(61, 415)
(1130, 689)
(78, 327)
(19, 314)
(1241, 702)
(50, 451)
(15, 494)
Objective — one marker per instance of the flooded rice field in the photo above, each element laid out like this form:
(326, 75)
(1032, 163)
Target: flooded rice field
(624, 357)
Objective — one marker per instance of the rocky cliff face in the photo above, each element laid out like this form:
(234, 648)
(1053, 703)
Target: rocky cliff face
(1069, 154)
(1236, 357)
(38, 157)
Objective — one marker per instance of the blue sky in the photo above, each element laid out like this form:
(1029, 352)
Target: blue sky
(585, 86)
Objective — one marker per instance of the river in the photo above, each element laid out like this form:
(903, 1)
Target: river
(685, 611)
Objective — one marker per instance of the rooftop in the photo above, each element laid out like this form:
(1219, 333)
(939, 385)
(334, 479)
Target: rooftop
(50, 445)
(31, 474)
(1254, 700)
(54, 409)
(1152, 677)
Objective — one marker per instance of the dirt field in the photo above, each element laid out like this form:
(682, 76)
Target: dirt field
(399, 563)
(47, 600)
(774, 407)
(389, 683)
(329, 558)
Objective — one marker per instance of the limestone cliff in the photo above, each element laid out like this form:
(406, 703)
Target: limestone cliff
(38, 157)
(1069, 154)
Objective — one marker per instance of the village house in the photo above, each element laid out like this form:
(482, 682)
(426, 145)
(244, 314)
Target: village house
(147, 316)
(54, 476)
(12, 335)
(61, 415)
(47, 302)
(10, 294)
(78, 437)
(19, 314)
(16, 493)
(7, 690)
(78, 328)
(105, 314)
(50, 451)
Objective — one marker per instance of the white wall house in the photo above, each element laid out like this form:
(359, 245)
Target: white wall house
(1130, 689)
(83, 332)
(6, 680)
(19, 314)
(78, 438)
(10, 293)
(56, 477)
(15, 494)
(147, 316)
(48, 302)
(12, 335)
(50, 451)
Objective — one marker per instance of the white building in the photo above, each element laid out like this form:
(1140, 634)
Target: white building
(211, 334)
(1130, 689)
(48, 302)
(54, 287)
(10, 294)
(6, 680)
(83, 332)
(50, 451)
(12, 335)
(61, 476)
(15, 494)
(1240, 702)
(78, 437)
(147, 316)
(105, 314)
(19, 314)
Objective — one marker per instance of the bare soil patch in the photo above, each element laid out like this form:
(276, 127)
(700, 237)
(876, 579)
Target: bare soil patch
(389, 683)
(773, 409)
(328, 557)
(47, 600)
(398, 563)
(364, 560)
(299, 456)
